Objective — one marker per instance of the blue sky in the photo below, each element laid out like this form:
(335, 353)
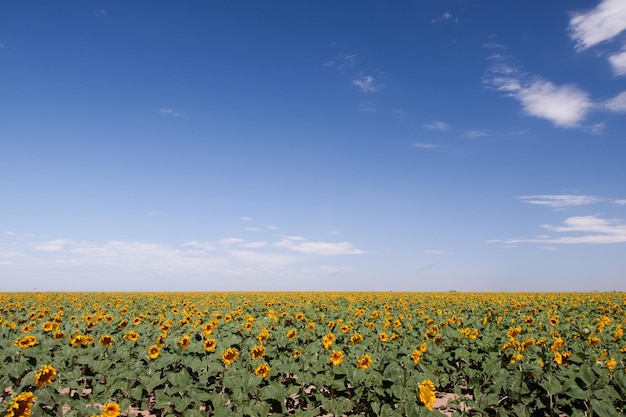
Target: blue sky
(349, 145)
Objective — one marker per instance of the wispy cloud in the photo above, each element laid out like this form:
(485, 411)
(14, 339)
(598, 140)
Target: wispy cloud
(367, 84)
(170, 112)
(620, 202)
(617, 104)
(588, 229)
(438, 252)
(600, 24)
(343, 61)
(564, 105)
(246, 219)
(318, 248)
(437, 125)
(476, 133)
(443, 18)
(618, 62)
(100, 13)
(421, 145)
(560, 200)
(243, 243)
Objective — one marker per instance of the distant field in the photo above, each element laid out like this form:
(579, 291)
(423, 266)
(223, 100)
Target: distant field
(310, 354)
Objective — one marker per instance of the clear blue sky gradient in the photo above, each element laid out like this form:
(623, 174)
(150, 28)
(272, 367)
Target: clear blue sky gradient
(313, 145)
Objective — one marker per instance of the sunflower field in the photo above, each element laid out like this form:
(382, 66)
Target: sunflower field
(312, 354)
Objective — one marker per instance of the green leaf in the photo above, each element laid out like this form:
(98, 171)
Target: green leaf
(603, 409)
(181, 403)
(393, 372)
(587, 375)
(552, 386)
(273, 391)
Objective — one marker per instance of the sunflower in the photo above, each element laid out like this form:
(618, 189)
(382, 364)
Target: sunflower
(257, 352)
(106, 340)
(416, 355)
(48, 326)
(291, 334)
(263, 370)
(364, 362)
(154, 352)
(328, 340)
(111, 410)
(426, 391)
(45, 375)
(21, 405)
(264, 334)
(58, 335)
(593, 341)
(356, 338)
(611, 364)
(383, 337)
(557, 344)
(336, 357)
(209, 345)
(184, 342)
(296, 354)
(132, 335)
(229, 356)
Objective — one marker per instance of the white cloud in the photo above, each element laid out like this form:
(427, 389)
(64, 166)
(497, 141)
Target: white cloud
(170, 112)
(617, 104)
(618, 62)
(53, 245)
(421, 145)
(437, 252)
(620, 202)
(207, 246)
(242, 243)
(443, 17)
(561, 200)
(246, 219)
(271, 227)
(591, 229)
(263, 258)
(318, 248)
(367, 84)
(100, 13)
(343, 61)
(476, 133)
(600, 24)
(437, 125)
(564, 106)
(252, 229)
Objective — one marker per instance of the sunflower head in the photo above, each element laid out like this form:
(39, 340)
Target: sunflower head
(209, 345)
(229, 356)
(336, 357)
(22, 405)
(154, 351)
(364, 362)
(263, 370)
(257, 352)
(106, 340)
(426, 392)
(111, 410)
(184, 341)
(45, 375)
